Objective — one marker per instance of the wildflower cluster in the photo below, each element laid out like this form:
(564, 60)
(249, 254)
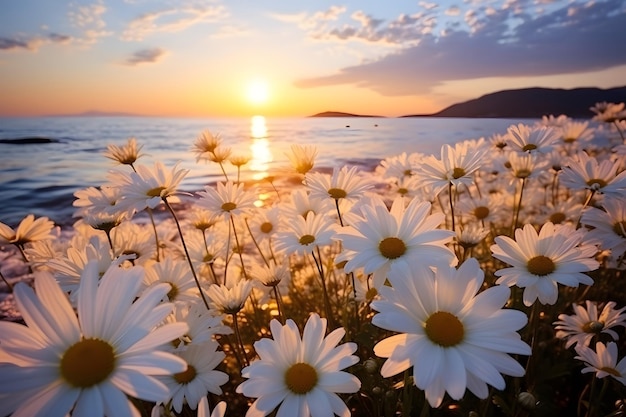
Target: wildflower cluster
(485, 281)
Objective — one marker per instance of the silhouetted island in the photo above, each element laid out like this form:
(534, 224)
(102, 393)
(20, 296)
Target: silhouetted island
(340, 114)
(533, 103)
(31, 140)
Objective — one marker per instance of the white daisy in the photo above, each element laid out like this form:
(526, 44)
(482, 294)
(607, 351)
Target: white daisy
(303, 235)
(301, 376)
(603, 361)
(586, 172)
(200, 377)
(88, 364)
(226, 200)
(97, 200)
(147, 187)
(206, 144)
(302, 157)
(203, 324)
(300, 204)
(383, 239)
(177, 275)
(69, 267)
(125, 154)
(608, 225)
(454, 337)
(456, 166)
(344, 184)
(540, 261)
(531, 139)
(29, 230)
(229, 300)
(581, 327)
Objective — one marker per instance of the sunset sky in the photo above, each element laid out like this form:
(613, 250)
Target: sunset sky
(296, 58)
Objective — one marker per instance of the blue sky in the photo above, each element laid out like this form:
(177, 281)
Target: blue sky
(382, 57)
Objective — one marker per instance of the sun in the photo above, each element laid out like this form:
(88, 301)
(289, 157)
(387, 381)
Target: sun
(257, 91)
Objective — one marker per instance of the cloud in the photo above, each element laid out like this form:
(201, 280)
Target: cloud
(13, 44)
(496, 43)
(145, 56)
(32, 44)
(172, 20)
(453, 11)
(316, 23)
(361, 26)
(89, 19)
(58, 38)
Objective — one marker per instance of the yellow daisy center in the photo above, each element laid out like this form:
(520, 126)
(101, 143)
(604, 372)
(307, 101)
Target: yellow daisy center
(596, 183)
(186, 376)
(541, 265)
(529, 147)
(202, 225)
(392, 247)
(229, 206)
(620, 228)
(458, 173)
(593, 327)
(444, 329)
(569, 139)
(403, 191)
(208, 258)
(155, 192)
(87, 363)
(267, 227)
(173, 292)
(557, 218)
(337, 193)
(371, 293)
(307, 239)
(522, 173)
(301, 378)
(481, 212)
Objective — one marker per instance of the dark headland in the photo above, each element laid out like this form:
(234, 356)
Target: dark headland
(531, 103)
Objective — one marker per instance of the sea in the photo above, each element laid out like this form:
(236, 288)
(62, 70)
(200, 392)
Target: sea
(41, 178)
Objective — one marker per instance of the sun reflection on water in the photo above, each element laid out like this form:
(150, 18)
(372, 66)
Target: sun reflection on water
(259, 148)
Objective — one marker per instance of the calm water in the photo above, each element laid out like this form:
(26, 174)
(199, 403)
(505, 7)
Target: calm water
(41, 178)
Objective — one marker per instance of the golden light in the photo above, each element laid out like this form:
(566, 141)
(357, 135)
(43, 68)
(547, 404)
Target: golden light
(257, 91)
(259, 148)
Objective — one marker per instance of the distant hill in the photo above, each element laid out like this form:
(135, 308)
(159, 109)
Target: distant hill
(533, 103)
(340, 114)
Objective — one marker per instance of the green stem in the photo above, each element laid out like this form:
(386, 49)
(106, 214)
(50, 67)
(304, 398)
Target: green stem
(320, 270)
(156, 235)
(227, 258)
(108, 233)
(278, 303)
(240, 340)
(182, 239)
(518, 208)
(256, 244)
(20, 247)
(239, 248)
(451, 205)
(223, 171)
(338, 211)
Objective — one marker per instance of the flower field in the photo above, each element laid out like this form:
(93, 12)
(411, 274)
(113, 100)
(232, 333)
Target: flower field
(487, 280)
